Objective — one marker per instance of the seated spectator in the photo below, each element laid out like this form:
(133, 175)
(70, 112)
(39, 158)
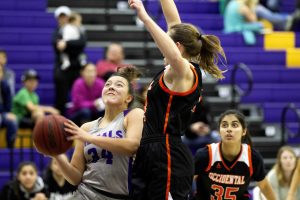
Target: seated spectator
(27, 185)
(199, 132)
(8, 120)
(26, 102)
(279, 21)
(8, 74)
(281, 175)
(240, 16)
(114, 58)
(58, 187)
(86, 96)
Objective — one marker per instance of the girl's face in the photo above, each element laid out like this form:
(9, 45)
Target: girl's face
(288, 161)
(27, 176)
(115, 91)
(231, 130)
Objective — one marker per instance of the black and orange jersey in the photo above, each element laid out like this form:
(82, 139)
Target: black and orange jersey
(221, 179)
(169, 112)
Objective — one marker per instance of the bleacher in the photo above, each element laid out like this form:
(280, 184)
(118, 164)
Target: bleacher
(26, 33)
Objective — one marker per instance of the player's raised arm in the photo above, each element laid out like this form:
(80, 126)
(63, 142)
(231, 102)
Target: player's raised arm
(166, 45)
(170, 12)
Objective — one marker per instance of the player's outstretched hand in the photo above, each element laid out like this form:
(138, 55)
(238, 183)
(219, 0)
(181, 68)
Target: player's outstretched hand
(76, 132)
(140, 9)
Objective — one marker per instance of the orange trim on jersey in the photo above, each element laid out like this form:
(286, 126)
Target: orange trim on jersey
(223, 162)
(167, 90)
(250, 160)
(168, 185)
(145, 105)
(168, 113)
(209, 158)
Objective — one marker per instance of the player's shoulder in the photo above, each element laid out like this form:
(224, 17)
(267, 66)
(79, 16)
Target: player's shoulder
(255, 154)
(135, 111)
(89, 125)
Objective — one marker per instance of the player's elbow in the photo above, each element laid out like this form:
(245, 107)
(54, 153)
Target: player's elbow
(133, 147)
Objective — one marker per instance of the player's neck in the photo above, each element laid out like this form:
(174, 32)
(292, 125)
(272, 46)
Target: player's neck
(230, 151)
(110, 114)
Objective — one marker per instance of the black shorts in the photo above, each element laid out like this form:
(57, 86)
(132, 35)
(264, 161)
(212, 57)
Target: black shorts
(163, 167)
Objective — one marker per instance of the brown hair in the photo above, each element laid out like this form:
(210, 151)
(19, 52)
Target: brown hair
(203, 49)
(241, 118)
(278, 167)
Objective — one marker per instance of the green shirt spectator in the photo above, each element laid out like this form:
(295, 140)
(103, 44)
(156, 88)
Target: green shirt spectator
(20, 101)
(26, 102)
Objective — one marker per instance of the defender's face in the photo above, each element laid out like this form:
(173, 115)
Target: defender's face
(231, 129)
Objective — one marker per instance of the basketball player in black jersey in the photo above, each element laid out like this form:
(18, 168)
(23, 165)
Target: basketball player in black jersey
(163, 167)
(224, 169)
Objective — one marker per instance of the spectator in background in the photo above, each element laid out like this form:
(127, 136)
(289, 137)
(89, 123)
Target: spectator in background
(281, 174)
(114, 58)
(8, 74)
(27, 185)
(58, 187)
(72, 31)
(26, 102)
(199, 133)
(240, 16)
(86, 96)
(64, 78)
(255, 12)
(8, 120)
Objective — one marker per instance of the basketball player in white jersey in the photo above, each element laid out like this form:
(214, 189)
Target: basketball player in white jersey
(102, 159)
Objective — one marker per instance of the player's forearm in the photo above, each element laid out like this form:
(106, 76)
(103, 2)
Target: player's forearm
(165, 44)
(124, 146)
(267, 190)
(170, 12)
(71, 174)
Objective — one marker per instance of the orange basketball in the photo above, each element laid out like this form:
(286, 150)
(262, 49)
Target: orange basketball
(49, 136)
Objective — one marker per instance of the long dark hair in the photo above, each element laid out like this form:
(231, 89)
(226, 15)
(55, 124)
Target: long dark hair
(200, 48)
(241, 118)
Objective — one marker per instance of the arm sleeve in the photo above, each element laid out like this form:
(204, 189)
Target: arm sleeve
(259, 172)
(201, 160)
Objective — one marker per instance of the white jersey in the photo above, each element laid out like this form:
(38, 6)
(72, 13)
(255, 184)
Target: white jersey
(106, 171)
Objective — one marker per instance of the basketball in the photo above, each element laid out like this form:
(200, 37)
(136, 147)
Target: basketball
(49, 136)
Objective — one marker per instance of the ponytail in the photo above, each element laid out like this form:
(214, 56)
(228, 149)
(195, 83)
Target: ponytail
(201, 49)
(209, 55)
